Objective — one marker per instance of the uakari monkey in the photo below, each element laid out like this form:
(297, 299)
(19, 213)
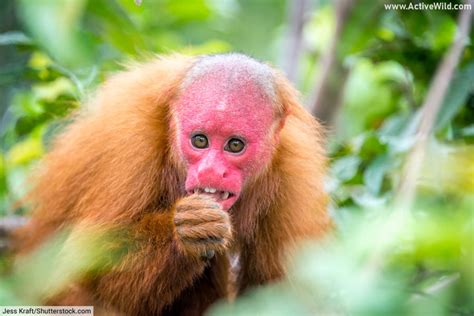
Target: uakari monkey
(201, 159)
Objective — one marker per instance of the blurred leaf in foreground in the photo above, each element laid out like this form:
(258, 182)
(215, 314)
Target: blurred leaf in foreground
(56, 25)
(67, 257)
(375, 270)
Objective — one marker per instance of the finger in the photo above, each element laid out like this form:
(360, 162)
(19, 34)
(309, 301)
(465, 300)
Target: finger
(198, 217)
(203, 231)
(196, 202)
(208, 254)
(199, 247)
(204, 241)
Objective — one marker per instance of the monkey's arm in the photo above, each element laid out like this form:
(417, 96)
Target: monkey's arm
(170, 250)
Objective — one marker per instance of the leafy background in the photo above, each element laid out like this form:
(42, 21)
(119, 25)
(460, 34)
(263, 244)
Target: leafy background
(384, 259)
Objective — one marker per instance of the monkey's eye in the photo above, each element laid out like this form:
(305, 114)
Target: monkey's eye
(199, 141)
(234, 145)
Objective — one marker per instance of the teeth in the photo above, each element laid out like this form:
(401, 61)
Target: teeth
(224, 194)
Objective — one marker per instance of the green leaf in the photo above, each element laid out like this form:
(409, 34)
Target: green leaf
(468, 131)
(368, 96)
(52, 90)
(189, 9)
(55, 25)
(346, 168)
(375, 172)
(366, 199)
(25, 151)
(3, 183)
(26, 124)
(14, 38)
(372, 146)
(460, 87)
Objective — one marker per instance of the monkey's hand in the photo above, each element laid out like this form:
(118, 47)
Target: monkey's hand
(202, 227)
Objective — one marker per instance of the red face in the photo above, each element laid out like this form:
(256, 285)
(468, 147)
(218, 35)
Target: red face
(224, 135)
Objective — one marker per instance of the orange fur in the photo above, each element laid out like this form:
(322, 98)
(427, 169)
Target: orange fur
(115, 166)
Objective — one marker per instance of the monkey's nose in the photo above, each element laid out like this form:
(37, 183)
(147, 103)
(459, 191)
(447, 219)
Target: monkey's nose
(213, 166)
(212, 173)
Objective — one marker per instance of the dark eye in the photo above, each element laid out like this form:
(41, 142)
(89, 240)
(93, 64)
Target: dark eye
(199, 141)
(234, 145)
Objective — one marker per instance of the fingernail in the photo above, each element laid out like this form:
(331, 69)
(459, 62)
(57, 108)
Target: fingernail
(209, 254)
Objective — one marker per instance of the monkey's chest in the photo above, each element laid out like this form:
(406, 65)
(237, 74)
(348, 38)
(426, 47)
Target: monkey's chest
(234, 270)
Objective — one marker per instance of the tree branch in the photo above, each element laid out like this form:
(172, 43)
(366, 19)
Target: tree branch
(322, 106)
(297, 13)
(7, 225)
(430, 109)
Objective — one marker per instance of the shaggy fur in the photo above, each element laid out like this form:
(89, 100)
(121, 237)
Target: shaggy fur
(116, 166)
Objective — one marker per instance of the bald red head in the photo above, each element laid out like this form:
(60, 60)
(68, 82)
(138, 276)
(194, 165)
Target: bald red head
(225, 122)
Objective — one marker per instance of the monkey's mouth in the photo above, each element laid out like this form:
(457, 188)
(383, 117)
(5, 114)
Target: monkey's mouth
(225, 198)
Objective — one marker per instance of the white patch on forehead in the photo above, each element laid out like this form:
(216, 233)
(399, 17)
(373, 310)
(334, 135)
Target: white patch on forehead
(235, 67)
(222, 106)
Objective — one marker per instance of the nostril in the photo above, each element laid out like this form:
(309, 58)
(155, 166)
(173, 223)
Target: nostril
(224, 174)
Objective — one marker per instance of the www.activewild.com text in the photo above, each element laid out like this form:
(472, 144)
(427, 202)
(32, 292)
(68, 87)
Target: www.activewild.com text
(445, 6)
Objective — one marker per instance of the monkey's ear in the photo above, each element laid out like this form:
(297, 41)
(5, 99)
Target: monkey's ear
(287, 101)
(279, 125)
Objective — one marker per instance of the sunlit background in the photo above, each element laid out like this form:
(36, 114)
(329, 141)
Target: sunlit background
(401, 145)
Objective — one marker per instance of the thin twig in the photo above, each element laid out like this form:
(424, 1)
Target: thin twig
(7, 226)
(319, 106)
(10, 223)
(297, 19)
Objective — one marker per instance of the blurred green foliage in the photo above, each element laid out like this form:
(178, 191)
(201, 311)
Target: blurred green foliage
(71, 254)
(381, 261)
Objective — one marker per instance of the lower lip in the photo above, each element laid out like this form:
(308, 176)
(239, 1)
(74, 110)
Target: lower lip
(227, 204)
